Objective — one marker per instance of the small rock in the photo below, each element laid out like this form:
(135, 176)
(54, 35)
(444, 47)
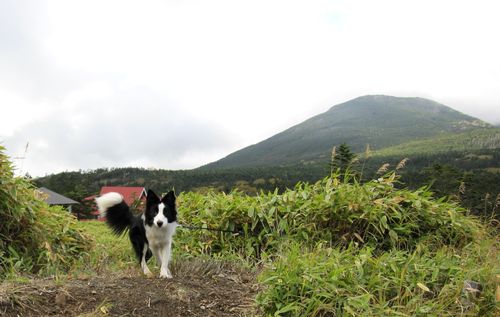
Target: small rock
(472, 289)
(470, 293)
(60, 299)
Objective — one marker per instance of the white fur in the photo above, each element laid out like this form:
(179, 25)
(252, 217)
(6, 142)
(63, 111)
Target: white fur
(106, 201)
(144, 265)
(160, 241)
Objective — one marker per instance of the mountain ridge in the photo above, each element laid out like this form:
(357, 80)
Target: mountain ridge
(378, 120)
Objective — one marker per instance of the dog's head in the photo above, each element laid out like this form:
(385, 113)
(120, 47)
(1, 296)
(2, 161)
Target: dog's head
(159, 212)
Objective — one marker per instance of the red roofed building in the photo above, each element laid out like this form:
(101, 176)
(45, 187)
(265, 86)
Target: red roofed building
(131, 195)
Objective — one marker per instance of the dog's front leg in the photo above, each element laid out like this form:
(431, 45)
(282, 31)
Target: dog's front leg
(164, 271)
(157, 254)
(144, 265)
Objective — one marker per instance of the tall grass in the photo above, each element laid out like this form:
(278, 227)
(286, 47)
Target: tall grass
(34, 237)
(359, 282)
(357, 249)
(109, 252)
(332, 211)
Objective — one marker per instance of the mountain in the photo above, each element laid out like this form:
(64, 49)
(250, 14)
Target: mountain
(377, 120)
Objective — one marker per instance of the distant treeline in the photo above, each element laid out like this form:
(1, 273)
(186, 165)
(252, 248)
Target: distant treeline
(472, 177)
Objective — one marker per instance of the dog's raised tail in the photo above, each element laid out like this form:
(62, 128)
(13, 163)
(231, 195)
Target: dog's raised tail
(117, 213)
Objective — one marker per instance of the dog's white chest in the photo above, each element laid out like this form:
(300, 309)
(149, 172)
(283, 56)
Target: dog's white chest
(160, 236)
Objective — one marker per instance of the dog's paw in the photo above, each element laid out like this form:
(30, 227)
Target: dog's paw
(147, 272)
(166, 275)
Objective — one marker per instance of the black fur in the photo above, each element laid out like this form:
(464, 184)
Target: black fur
(119, 218)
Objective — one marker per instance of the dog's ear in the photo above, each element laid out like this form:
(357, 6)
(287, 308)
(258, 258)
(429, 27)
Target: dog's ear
(152, 198)
(169, 198)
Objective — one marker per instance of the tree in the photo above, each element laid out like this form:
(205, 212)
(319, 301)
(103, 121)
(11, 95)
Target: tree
(84, 209)
(343, 160)
(444, 179)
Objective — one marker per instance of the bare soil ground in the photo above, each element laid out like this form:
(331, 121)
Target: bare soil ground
(198, 289)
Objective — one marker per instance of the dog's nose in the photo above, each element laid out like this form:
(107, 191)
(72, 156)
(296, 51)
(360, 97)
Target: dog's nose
(159, 223)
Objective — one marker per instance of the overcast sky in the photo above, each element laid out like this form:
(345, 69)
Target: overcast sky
(178, 84)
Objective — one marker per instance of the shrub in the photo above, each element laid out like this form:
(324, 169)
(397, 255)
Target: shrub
(374, 213)
(34, 237)
(357, 249)
(357, 282)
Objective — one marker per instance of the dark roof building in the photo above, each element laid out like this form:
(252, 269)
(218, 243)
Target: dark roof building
(53, 198)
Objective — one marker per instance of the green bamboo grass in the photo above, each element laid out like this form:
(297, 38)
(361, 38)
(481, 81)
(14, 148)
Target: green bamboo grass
(332, 248)
(332, 211)
(34, 238)
(361, 282)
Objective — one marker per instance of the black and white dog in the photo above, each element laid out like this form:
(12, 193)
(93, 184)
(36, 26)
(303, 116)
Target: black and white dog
(150, 233)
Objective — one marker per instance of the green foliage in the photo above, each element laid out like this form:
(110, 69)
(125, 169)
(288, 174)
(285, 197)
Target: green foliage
(470, 177)
(85, 207)
(34, 238)
(449, 142)
(108, 253)
(478, 169)
(330, 210)
(356, 249)
(336, 247)
(360, 282)
(342, 161)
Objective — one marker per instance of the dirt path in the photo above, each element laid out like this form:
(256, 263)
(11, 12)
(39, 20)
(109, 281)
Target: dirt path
(197, 289)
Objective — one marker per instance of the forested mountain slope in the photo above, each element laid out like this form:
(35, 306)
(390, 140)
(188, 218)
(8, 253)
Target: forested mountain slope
(380, 121)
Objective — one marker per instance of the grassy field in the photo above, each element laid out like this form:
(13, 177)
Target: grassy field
(108, 253)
